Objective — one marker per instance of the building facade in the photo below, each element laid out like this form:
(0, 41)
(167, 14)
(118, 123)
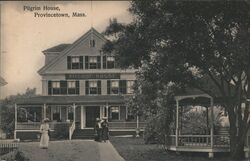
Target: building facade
(79, 84)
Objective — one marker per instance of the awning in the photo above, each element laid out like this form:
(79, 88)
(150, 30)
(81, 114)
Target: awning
(78, 100)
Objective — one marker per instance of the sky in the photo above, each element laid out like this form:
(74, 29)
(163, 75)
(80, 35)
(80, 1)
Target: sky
(24, 36)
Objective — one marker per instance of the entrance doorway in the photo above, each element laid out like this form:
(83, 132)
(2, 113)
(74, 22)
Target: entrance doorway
(92, 112)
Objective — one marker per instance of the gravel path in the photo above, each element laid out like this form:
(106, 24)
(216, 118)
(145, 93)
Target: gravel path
(74, 150)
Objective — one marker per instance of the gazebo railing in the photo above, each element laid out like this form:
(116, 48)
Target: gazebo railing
(199, 140)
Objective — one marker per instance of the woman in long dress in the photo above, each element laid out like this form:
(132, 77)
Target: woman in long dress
(44, 129)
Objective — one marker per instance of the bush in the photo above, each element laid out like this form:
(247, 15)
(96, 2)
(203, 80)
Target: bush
(61, 131)
(15, 155)
(156, 130)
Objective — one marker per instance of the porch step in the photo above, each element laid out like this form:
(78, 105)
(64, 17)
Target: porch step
(83, 134)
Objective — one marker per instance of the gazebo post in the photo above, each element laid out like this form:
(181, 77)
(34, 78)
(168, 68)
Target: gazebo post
(15, 121)
(211, 154)
(177, 123)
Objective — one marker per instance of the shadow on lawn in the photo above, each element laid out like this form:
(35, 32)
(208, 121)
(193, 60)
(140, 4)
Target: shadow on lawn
(134, 149)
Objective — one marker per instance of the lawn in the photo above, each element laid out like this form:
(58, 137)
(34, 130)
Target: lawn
(134, 149)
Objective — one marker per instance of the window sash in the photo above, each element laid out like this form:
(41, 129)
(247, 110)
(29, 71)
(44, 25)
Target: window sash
(71, 84)
(92, 59)
(130, 84)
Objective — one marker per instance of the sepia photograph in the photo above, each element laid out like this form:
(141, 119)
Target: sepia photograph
(151, 80)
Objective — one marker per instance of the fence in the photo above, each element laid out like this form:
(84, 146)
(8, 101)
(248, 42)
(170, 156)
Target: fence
(7, 146)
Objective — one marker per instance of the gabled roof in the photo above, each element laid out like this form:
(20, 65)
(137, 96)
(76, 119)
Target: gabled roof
(57, 48)
(66, 51)
(2, 81)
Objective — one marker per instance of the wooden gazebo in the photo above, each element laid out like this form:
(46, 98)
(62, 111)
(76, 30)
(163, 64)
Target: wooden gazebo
(210, 142)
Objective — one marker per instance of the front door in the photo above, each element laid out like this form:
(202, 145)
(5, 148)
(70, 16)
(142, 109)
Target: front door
(92, 112)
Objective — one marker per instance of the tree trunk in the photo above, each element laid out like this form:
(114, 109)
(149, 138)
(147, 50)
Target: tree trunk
(237, 139)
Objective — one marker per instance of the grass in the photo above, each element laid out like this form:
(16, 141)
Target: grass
(134, 149)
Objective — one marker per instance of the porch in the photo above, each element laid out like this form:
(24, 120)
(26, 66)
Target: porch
(71, 113)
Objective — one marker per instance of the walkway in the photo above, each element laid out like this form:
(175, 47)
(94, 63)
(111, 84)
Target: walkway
(74, 150)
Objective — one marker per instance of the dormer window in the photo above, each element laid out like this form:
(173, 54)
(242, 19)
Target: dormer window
(75, 62)
(92, 62)
(108, 62)
(92, 43)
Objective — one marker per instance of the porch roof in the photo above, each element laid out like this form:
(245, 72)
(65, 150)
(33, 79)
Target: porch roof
(61, 100)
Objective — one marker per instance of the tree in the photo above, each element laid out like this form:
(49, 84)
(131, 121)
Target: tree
(202, 45)
(8, 111)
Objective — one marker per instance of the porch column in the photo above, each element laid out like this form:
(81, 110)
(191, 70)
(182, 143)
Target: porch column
(82, 117)
(107, 111)
(15, 121)
(177, 123)
(137, 125)
(44, 111)
(74, 112)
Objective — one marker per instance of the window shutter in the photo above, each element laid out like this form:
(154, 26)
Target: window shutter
(104, 62)
(86, 62)
(49, 88)
(81, 62)
(108, 86)
(87, 87)
(98, 62)
(122, 87)
(99, 87)
(63, 87)
(69, 62)
(77, 87)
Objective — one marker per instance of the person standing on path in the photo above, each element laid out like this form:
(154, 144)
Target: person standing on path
(105, 129)
(98, 130)
(44, 130)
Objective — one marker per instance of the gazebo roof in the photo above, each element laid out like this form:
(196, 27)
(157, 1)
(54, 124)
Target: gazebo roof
(61, 100)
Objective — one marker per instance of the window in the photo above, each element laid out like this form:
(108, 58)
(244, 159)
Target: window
(93, 87)
(130, 84)
(56, 87)
(92, 43)
(70, 113)
(75, 62)
(73, 87)
(108, 62)
(116, 87)
(114, 113)
(92, 62)
(56, 110)
(63, 87)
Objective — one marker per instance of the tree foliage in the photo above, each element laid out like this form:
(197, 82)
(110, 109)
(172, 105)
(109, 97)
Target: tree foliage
(8, 111)
(199, 44)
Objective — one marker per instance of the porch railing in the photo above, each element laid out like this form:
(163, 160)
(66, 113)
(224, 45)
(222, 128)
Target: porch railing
(71, 130)
(35, 125)
(125, 125)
